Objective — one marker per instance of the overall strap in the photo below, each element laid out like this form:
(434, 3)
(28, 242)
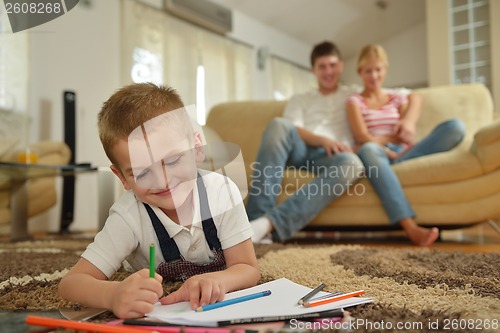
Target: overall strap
(207, 222)
(168, 246)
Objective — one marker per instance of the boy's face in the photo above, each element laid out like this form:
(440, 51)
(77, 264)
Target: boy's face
(328, 70)
(158, 163)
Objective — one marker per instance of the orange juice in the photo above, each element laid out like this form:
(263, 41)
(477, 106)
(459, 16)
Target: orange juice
(27, 157)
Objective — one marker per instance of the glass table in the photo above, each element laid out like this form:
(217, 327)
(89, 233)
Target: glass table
(17, 176)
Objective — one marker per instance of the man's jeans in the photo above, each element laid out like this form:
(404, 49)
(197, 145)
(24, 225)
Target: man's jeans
(281, 147)
(378, 169)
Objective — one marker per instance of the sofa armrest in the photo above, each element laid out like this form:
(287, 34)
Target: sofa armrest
(49, 152)
(486, 146)
(488, 134)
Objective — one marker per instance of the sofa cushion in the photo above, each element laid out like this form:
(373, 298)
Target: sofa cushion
(6, 146)
(4, 215)
(445, 167)
(49, 152)
(243, 123)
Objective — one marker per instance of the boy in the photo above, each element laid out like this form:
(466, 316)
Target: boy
(201, 237)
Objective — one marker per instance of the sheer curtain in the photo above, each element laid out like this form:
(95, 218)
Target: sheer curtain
(161, 48)
(289, 79)
(14, 66)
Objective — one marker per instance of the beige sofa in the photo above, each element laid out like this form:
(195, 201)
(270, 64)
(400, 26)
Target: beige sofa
(451, 189)
(41, 191)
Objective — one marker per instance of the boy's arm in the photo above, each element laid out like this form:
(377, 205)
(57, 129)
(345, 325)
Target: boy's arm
(242, 267)
(130, 298)
(242, 272)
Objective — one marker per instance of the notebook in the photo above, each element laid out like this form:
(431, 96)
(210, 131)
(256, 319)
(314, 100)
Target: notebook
(281, 302)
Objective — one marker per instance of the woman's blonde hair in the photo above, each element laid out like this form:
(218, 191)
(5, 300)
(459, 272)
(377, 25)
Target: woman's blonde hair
(372, 51)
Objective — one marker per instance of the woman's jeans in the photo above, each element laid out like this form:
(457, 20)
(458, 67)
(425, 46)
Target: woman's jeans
(378, 169)
(282, 147)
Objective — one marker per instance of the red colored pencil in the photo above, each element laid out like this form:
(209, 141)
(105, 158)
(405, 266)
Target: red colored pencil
(80, 326)
(333, 299)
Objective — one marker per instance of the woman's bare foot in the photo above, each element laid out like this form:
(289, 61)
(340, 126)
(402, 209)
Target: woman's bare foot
(419, 235)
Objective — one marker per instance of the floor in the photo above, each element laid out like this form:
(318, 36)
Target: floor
(480, 238)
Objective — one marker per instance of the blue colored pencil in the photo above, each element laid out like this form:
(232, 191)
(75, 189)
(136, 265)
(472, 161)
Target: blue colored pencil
(233, 301)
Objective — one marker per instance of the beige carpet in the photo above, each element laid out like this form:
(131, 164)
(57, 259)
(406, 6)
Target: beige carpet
(458, 292)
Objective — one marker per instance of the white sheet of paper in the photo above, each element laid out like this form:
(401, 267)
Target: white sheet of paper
(282, 301)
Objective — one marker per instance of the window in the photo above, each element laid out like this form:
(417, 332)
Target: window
(470, 40)
(147, 67)
(289, 79)
(13, 67)
(204, 67)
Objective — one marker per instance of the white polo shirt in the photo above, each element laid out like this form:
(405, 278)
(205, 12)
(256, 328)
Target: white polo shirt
(326, 114)
(322, 114)
(128, 231)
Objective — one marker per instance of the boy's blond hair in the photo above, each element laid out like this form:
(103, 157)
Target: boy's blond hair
(372, 51)
(130, 107)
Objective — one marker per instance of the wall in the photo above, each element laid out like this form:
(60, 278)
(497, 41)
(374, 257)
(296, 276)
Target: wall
(438, 44)
(78, 51)
(407, 53)
(81, 51)
(259, 35)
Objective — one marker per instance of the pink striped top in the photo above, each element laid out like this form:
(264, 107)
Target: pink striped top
(380, 122)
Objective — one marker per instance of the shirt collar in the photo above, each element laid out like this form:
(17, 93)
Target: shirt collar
(174, 228)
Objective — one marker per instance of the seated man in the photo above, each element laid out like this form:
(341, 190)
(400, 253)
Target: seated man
(313, 134)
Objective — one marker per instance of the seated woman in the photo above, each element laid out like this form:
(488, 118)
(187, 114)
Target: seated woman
(384, 129)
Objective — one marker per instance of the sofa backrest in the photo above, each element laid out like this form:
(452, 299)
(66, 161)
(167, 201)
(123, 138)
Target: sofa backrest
(472, 103)
(244, 122)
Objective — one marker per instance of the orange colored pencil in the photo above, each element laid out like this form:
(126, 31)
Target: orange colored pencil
(80, 326)
(333, 299)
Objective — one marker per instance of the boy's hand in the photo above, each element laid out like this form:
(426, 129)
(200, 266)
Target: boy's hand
(198, 290)
(136, 295)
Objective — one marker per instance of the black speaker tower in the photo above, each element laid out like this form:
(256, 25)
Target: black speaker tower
(68, 196)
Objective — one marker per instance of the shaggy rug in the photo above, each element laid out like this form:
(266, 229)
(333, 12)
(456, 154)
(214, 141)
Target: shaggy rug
(415, 290)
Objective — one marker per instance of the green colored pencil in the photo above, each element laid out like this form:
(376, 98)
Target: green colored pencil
(151, 260)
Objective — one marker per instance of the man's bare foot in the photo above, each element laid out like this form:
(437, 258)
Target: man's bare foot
(419, 235)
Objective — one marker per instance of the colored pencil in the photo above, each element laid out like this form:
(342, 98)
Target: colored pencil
(311, 294)
(233, 301)
(79, 326)
(326, 296)
(333, 299)
(164, 327)
(152, 266)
